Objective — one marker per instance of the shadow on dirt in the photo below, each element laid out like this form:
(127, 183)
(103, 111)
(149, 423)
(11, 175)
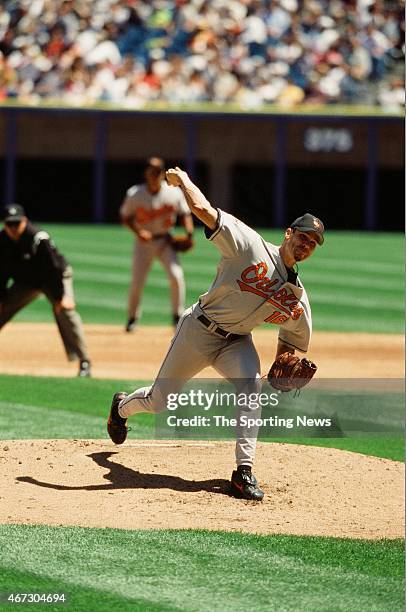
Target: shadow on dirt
(121, 477)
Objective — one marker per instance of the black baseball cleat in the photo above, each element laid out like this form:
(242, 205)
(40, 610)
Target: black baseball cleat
(116, 425)
(244, 484)
(84, 369)
(131, 324)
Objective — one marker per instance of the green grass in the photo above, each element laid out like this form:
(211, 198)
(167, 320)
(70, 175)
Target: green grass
(355, 281)
(112, 569)
(354, 285)
(387, 447)
(61, 408)
(64, 408)
(106, 569)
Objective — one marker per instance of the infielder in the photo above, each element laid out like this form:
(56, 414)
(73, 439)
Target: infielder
(256, 282)
(30, 259)
(150, 211)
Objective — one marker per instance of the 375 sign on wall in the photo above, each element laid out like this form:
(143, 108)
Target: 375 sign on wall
(328, 140)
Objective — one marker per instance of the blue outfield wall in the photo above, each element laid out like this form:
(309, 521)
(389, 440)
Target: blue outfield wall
(265, 166)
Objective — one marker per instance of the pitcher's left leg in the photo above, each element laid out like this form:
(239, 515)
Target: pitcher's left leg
(239, 363)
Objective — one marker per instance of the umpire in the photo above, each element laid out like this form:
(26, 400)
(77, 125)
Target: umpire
(31, 261)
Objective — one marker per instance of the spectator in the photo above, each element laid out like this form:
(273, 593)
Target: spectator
(392, 95)
(224, 51)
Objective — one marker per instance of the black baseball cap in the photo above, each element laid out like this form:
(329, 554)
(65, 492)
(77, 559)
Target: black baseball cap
(310, 223)
(13, 212)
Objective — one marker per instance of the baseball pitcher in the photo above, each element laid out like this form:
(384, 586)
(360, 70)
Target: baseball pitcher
(256, 282)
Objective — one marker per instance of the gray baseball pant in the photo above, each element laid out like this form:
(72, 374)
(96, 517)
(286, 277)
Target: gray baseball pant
(193, 348)
(143, 256)
(69, 323)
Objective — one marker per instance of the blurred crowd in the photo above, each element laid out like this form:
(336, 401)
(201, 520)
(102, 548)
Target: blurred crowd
(245, 52)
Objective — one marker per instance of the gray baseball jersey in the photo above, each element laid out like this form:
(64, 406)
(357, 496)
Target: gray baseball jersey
(154, 212)
(251, 286)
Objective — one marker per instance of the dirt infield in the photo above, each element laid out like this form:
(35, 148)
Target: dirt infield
(149, 485)
(309, 491)
(36, 349)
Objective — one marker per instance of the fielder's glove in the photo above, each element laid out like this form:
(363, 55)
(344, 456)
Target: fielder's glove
(288, 372)
(181, 244)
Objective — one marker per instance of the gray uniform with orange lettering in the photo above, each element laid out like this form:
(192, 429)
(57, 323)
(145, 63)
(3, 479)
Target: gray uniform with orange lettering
(156, 213)
(252, 286)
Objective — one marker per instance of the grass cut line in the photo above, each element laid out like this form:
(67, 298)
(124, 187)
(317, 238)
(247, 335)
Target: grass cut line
(64, 408)
(373, 261)
(166, 570)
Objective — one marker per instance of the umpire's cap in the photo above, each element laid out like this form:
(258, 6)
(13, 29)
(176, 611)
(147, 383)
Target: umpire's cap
(13, 212)
(310, 223)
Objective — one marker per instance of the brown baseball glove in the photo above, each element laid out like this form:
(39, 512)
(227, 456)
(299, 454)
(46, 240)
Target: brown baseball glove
(288, 372)
(182, 244)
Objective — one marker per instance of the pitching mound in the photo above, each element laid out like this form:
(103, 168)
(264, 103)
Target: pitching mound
(146, 484)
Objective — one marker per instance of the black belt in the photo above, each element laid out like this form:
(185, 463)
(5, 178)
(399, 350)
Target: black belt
(217, 330)
(157, 236)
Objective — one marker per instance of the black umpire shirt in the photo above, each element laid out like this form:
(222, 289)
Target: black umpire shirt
(32, 261)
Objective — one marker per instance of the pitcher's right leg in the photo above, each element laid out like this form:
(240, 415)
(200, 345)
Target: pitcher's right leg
(181, 363)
